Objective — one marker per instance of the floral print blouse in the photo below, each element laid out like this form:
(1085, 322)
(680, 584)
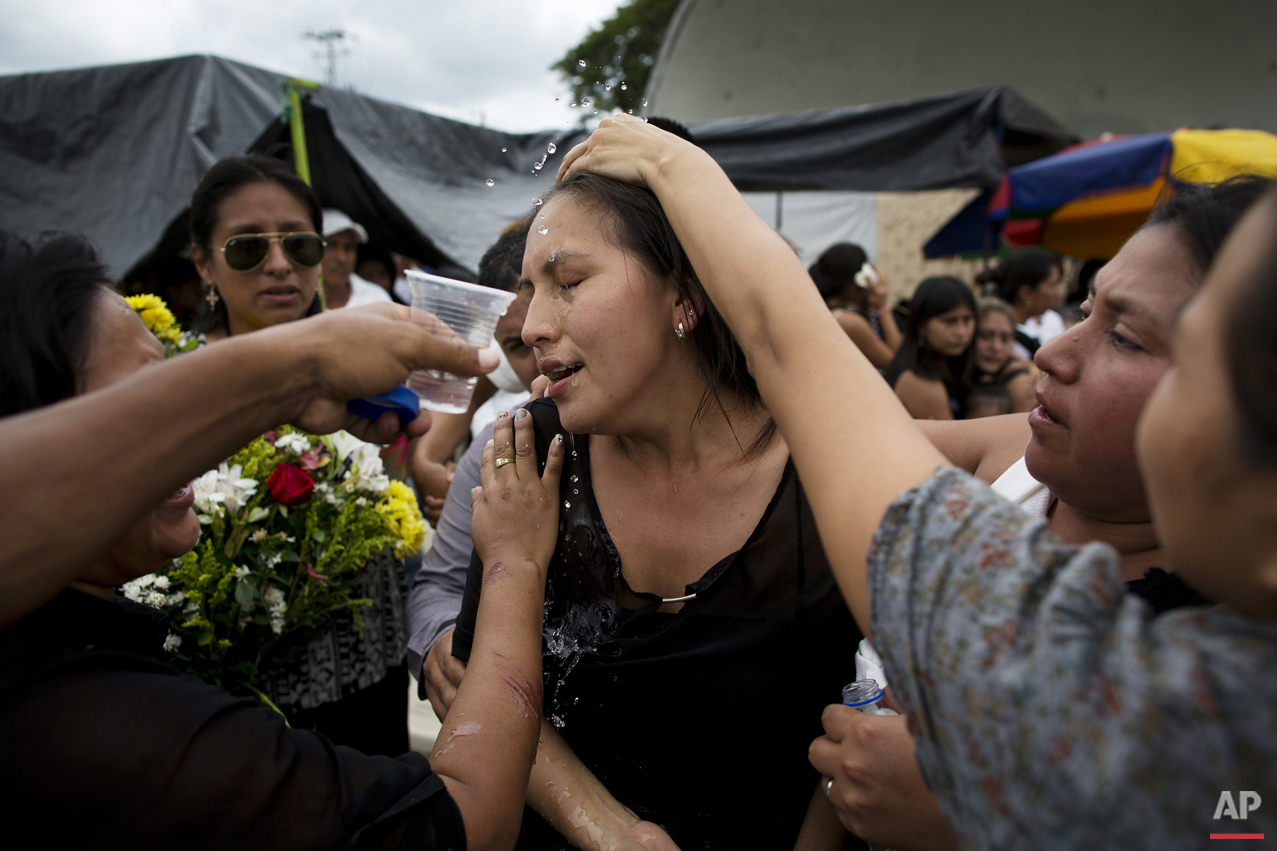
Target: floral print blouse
(1050, 709)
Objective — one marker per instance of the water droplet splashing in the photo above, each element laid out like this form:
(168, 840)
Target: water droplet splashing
(581, 62)
(543, 230)
(624, 86)
(503, 150)
(536, 202)
(551, 148)
(490, 182)
(567, 504)
(585, 101)
(645, 101)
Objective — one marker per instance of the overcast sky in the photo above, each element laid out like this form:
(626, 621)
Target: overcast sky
(475, 60)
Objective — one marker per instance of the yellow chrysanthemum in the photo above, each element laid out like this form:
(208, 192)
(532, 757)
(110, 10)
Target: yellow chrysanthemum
(156, 316)
(404, 518)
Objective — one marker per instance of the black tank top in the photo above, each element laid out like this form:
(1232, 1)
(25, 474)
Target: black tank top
(697, 720)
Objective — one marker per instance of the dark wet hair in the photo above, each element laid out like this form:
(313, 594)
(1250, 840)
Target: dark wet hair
(214, 187)
(502, 264)
(635, 221)
(1027, 268)
(1251, 353)
(935, 296)
(47, 289)
(834, 274)
(1207, 213)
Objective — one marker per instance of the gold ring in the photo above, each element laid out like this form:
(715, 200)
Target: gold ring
(501, 462)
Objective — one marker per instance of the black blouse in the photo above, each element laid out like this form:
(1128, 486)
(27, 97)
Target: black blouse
(104, 744)
(698, 720)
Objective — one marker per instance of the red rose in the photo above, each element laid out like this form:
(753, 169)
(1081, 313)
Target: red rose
(290, 485)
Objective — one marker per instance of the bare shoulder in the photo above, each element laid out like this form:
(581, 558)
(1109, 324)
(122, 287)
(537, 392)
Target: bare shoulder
(923, 398)
(985, 447)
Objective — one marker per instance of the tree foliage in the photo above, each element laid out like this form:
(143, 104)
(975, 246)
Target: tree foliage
(611, 65)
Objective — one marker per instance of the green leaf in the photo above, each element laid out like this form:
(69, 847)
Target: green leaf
(319, 535)
(205, 639)
(283, 510)
(245, 594)
(289, 555)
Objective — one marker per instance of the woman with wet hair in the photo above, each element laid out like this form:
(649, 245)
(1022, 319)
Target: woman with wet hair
(856, 292)
(688, 577)
(1034, 685)
(929, 373)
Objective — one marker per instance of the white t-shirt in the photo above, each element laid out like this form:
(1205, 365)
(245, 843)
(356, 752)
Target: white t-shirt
(365, 292)
(1018, 486)
(1044, 329)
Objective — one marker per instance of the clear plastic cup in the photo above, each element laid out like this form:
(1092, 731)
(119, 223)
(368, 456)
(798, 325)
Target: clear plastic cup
(468, 310)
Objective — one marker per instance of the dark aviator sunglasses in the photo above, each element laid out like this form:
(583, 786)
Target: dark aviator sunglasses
(247, 251)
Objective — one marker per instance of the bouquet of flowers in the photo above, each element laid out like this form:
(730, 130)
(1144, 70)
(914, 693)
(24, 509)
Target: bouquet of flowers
(289, 524)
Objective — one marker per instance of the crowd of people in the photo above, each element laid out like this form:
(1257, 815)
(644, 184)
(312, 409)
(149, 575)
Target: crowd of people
(683, 508)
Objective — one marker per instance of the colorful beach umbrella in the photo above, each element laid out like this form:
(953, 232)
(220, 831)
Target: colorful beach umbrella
(1087, 200)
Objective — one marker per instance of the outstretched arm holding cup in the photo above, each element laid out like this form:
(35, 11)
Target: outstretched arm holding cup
(158, 429)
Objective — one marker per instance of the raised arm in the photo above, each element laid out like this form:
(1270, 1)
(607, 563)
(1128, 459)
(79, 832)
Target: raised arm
(826, 397)
(83, 471)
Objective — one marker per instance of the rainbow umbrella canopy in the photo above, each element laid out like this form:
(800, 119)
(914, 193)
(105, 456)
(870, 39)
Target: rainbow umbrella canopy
(1088, 199)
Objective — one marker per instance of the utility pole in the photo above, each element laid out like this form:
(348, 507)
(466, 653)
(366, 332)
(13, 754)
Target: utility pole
(330, 40)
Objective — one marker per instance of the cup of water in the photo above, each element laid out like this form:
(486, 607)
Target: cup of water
(449, 308)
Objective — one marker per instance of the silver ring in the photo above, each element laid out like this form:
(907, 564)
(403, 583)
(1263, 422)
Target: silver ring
(501, 462)
(829, 784)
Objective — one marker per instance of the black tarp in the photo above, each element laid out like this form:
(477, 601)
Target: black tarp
(947, 141)
(115, 151)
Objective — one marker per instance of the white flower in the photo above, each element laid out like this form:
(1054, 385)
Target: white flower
(367, 472)
(295, 444)
(161, 582)
(172, 642)
(361, 502)
(136, 588)
(345, 444)
(258, 536)
(241, 572)
(275, 607)
(222, 490)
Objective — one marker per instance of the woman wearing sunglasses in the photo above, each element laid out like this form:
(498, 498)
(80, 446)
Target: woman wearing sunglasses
(255, 240)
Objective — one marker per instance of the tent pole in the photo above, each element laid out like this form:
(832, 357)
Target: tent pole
(301, 161)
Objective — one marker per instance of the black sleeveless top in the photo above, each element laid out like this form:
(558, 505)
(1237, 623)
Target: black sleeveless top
(698, 720)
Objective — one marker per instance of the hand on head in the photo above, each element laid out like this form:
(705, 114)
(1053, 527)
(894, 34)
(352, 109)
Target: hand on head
(623, 148)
